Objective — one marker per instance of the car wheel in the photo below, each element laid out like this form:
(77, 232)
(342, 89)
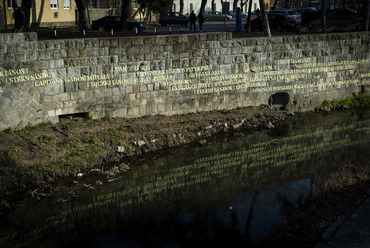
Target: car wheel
(164, 23)
(226, 19)
(207, 19)
(101, 29)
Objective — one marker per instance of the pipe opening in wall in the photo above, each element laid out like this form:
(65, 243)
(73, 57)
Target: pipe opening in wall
(84, 115)
(279, 100)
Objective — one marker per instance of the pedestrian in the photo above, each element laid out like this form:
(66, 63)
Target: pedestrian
(19, 18)
(192, 19)
(201, 21)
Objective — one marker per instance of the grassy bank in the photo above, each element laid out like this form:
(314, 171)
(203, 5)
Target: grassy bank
(36, 155)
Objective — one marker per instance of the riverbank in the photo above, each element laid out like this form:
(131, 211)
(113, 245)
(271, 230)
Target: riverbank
(32, 158)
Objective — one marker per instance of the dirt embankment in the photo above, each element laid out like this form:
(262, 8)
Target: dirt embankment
(35, 156)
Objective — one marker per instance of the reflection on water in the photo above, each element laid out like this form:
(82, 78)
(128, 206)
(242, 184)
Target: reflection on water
(228, 193)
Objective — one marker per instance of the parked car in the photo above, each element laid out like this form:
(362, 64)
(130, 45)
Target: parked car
(173, 18)
(344, 11)
(277, 21)
(233, 13)
(109, 22)
(216, 16)
(309, 9)
(297, 17)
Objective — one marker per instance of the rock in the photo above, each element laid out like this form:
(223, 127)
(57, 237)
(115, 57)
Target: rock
(239, 125)
(270, 125)
(95, 170)
(141, 143)
(153, 141)
(209, 127)
(202, 142)
(292, 114)
(120, 149)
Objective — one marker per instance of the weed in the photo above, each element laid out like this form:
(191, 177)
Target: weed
(73, 154)
(42, 125)
(79, 119)
(8, 130)
(46, 137)
(64, 142)
(107, 118)
(187, 122)
(89, 118)
(94, 140)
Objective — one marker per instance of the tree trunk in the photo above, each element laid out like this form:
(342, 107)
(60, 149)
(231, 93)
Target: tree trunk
(249, 16)
(181, 6)
(366, 14)
(265, 21)
(125, 12)
(213, 5)
(235, 4)
(323, 16)
(202, 6)
(83, 15)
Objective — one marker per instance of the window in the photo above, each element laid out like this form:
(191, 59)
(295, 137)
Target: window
(67, 4)
(10, 4)
(53, 4)
(115, 4)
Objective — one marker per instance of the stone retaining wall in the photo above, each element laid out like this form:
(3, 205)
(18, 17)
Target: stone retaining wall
(174, 74)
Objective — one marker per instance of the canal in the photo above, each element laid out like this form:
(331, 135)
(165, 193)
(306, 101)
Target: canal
(230, 192)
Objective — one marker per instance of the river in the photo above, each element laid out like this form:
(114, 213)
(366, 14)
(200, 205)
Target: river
(230, 192)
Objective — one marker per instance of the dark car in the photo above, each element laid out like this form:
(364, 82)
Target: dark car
(344, 11)
(173, 18)
(294, 13)
(276, 21)
(109, 22)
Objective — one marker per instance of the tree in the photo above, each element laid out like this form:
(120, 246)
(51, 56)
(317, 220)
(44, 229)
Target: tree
(366, 14)
(158, 6)
(202, 6)
(213, 5)
(265, 21)
(181, 6)
(83, 15)
(235, 4)
(323, 16)
(249, 17)
(125, 12)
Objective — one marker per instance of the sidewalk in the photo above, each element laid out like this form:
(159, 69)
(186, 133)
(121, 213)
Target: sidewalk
(352, 229)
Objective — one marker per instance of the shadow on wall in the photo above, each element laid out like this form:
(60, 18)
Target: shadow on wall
(279, 100)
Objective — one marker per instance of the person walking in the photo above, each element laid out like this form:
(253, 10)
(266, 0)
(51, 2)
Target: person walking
(201, 21)
(192, 19)
(19, 18)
